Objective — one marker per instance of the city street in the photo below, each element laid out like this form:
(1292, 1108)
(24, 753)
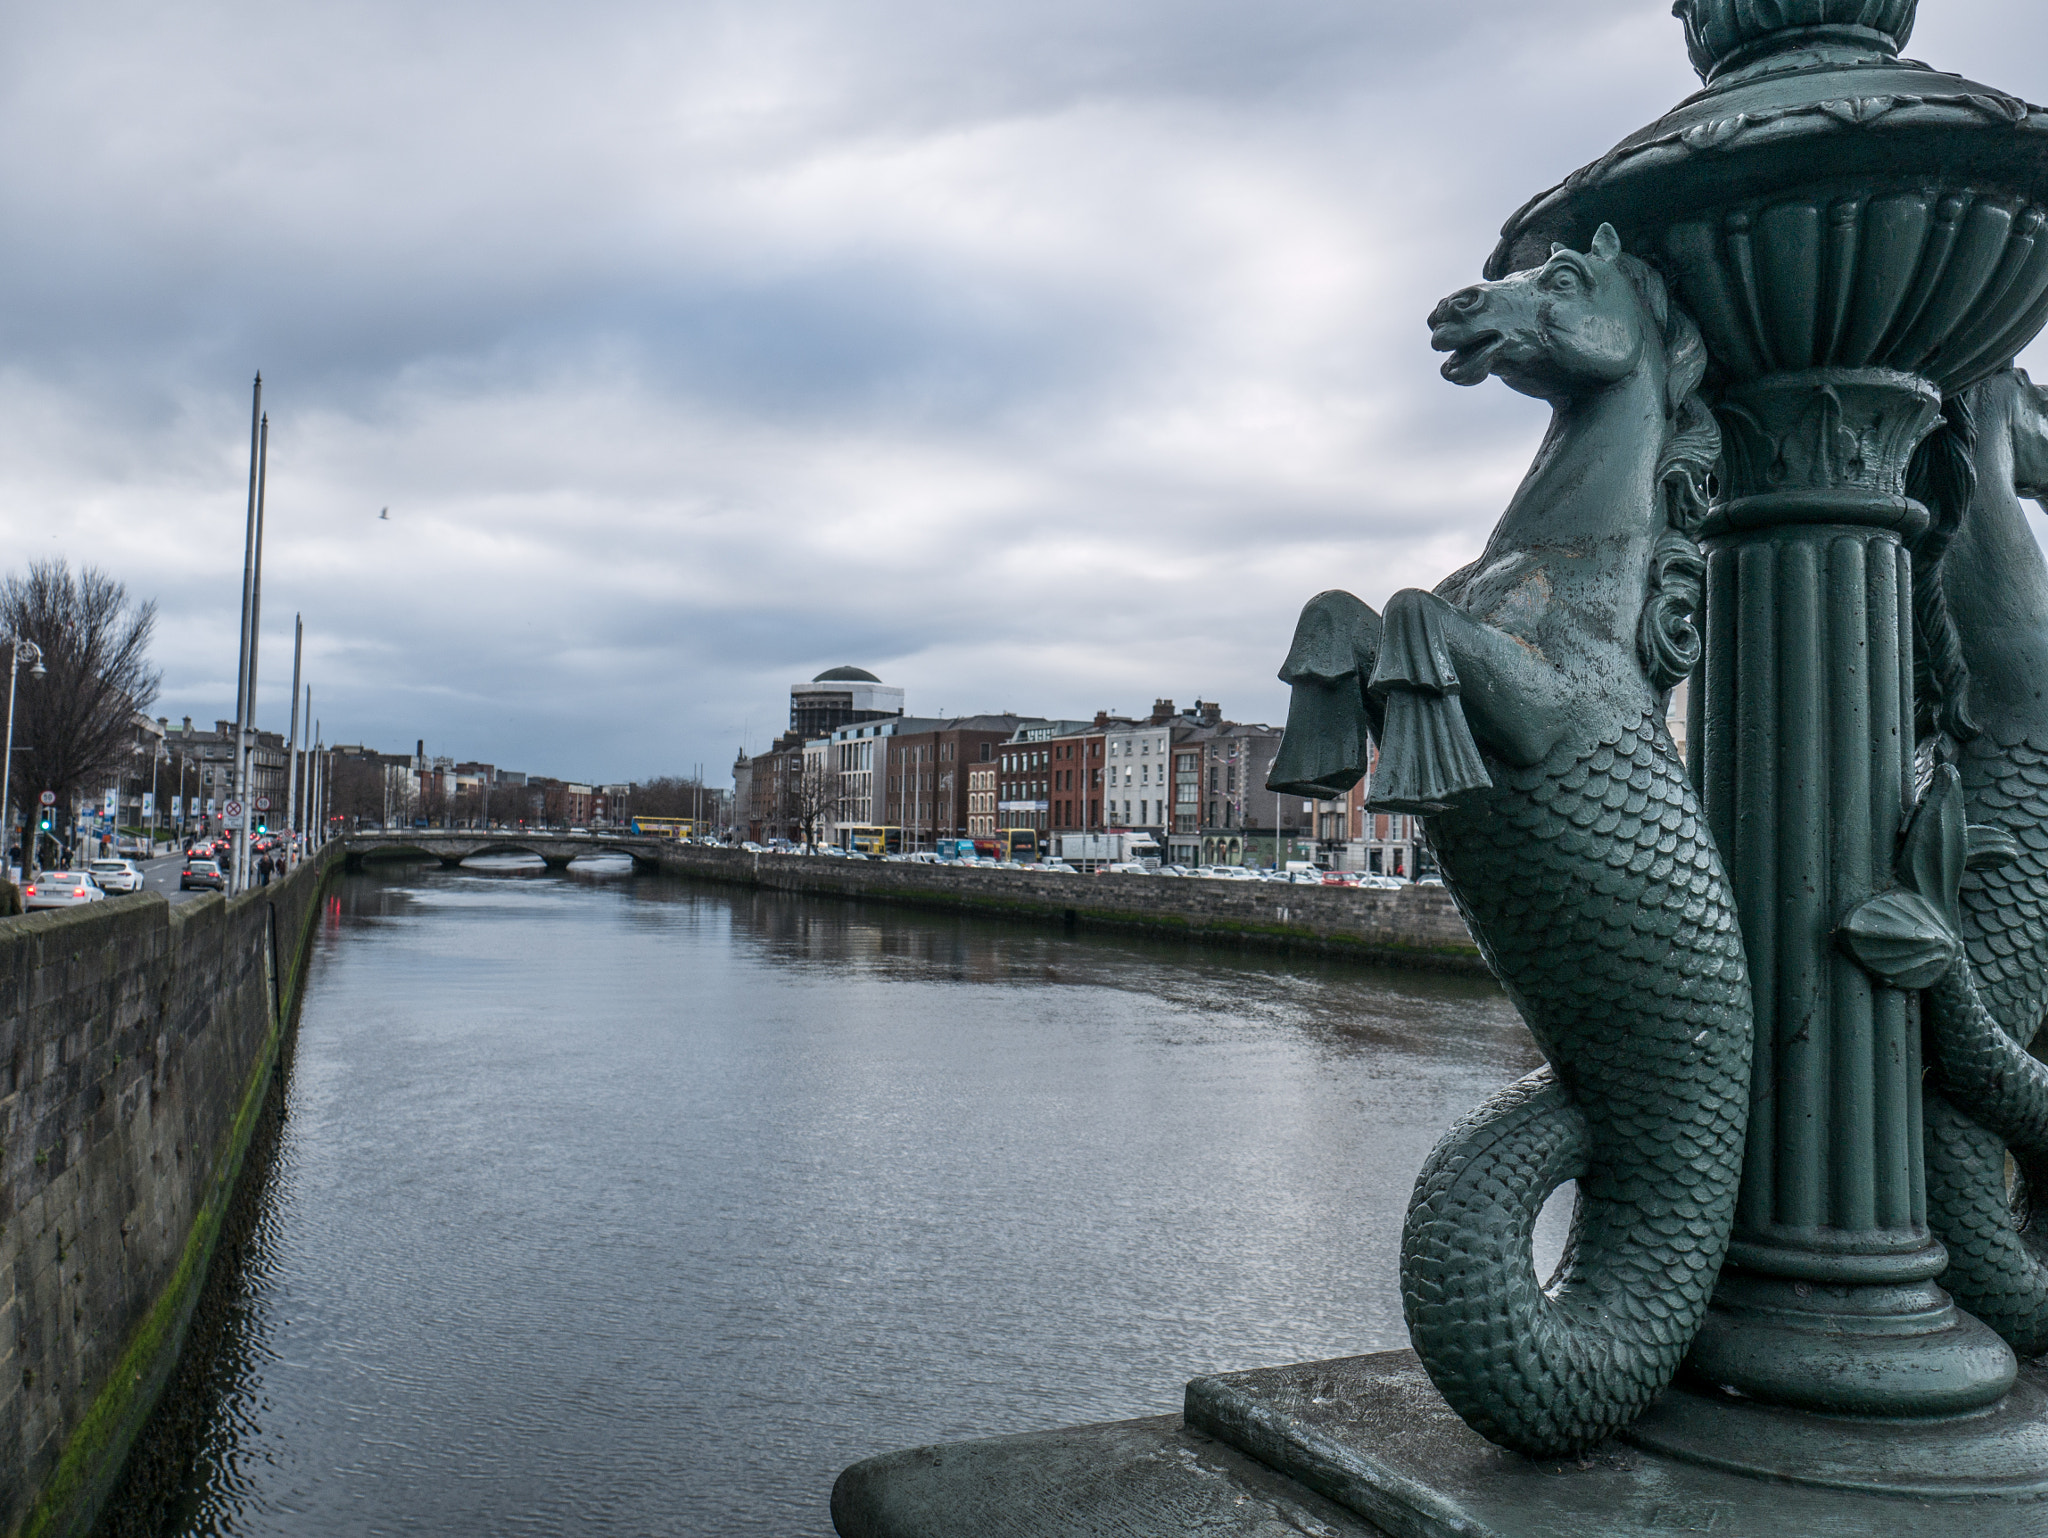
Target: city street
(162, 876)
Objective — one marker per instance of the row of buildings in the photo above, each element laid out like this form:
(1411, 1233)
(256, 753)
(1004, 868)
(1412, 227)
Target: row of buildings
(409, 788)
(853, 758)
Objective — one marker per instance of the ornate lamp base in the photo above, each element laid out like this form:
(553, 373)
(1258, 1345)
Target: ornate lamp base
(1372, 1434)
(2001, 1452)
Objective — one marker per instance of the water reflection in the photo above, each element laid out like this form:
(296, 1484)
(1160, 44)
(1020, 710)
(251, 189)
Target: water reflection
(616, 1206)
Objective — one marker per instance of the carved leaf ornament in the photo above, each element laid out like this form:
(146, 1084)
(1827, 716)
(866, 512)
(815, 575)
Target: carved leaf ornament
(1911, 937)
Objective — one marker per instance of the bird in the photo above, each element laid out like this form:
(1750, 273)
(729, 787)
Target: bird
(386, 514)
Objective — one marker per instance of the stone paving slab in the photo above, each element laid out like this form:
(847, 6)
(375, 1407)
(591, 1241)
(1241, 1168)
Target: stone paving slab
(1129, 1479)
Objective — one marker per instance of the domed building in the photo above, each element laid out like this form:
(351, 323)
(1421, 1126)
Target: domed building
(839, 697)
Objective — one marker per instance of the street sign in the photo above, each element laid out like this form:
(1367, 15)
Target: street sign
(232, 809)
(48, 798)
(263, 803)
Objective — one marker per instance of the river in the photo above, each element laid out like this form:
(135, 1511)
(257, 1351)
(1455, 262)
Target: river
(611, 1205)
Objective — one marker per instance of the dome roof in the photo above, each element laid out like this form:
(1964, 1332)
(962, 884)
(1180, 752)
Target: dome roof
(846, 676)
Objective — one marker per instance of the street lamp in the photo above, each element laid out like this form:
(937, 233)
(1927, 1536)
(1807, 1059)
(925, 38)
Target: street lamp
(17, 649)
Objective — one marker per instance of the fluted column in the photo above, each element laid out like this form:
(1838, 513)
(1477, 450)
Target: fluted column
(1829, 1299)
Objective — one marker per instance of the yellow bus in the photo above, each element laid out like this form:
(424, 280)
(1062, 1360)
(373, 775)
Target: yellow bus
(665, 827)
(867, 838)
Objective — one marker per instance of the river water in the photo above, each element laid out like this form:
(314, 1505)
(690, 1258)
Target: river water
(608, 1205)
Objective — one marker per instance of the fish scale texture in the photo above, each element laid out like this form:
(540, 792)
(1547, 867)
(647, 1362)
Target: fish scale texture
(1594, 888)
(1998, 1270)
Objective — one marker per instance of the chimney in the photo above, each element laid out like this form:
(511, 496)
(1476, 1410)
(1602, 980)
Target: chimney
(1162, 710)
(188, 726)
(1101, 720)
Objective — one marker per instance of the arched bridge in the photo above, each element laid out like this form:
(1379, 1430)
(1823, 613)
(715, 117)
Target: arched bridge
(452, 848)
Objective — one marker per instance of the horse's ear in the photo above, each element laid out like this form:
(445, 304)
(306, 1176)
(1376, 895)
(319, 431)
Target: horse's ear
(1557, 246)
(1606, 244)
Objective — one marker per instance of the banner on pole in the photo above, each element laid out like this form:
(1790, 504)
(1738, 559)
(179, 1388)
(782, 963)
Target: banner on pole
(149, 806)
(111, 804)
(177, 809)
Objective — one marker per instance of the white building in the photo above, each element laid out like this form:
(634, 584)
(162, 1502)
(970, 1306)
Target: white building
(1137, 776)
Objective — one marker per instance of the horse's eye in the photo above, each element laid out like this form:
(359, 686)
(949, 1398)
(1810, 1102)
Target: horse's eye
(1565, 279)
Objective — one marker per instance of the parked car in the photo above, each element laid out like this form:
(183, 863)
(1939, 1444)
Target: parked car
(61, 889)
(752, 848)
(1059, 868)
(202, 873)
(116, 876)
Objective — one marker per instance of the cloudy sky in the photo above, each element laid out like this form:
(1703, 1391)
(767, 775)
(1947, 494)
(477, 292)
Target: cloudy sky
(1039, 356)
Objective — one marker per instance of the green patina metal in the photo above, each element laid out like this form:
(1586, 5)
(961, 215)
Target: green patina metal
(1859, 240)
(1521, 708)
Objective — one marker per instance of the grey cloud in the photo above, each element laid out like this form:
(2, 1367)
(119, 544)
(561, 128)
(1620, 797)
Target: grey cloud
(1036, 356)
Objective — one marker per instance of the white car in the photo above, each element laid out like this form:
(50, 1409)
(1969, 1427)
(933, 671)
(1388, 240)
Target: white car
(116, 876)
(61, 889)
(1059, 868)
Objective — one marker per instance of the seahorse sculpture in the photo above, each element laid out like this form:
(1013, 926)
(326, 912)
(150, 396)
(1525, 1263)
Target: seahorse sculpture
(1520, 708)
(1981, 588)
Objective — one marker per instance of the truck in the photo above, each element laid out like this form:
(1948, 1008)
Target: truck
(1093, 851)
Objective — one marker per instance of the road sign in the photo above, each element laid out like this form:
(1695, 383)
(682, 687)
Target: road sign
(232, 809)
(48, 798)
(263, 803)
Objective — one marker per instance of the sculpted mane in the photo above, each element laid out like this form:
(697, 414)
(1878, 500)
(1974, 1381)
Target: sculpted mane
(1667, 635)
(1943, 478)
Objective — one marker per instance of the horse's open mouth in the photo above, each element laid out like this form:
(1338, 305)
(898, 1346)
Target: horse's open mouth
(1473, 361)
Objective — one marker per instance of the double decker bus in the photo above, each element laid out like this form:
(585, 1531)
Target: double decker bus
(1019, 844)
(871, 838)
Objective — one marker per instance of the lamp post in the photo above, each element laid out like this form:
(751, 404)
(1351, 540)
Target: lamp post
(17, 650)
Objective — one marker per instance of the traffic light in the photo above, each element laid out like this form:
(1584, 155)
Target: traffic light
(262, 825)
(46, 822)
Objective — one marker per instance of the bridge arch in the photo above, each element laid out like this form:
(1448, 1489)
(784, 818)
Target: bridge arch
(555, 851)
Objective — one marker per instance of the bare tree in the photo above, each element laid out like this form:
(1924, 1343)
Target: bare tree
(74, 729)
(355, 788)
(813, 797)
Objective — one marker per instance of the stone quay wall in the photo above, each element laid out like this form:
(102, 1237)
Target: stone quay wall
(138, 1041)
(1418, 926)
